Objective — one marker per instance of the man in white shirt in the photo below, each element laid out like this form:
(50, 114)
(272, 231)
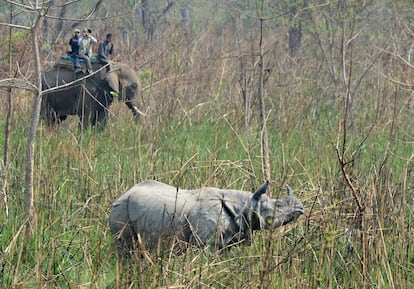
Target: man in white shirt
(85, 48)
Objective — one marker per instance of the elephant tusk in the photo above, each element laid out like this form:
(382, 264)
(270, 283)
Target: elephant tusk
(137, 111)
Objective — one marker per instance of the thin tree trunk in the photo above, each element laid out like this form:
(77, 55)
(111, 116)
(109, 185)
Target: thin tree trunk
(265, 142)
(341, 153)
(6, 151)
(7, 126)
(29, 194)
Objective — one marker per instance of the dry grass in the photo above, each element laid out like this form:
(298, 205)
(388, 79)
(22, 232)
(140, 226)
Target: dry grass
(194, 134)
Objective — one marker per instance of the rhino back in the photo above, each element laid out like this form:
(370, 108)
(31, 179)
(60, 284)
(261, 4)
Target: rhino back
(156, 209)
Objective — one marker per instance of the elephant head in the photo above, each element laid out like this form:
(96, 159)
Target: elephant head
(90, 97)
(123, 81)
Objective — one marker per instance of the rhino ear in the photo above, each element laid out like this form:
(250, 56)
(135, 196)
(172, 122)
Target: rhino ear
(260, 191)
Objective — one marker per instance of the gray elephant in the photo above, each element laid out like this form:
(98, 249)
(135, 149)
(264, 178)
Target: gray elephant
(91, 97)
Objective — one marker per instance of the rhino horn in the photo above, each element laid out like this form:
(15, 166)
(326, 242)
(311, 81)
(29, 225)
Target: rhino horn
(289, 190)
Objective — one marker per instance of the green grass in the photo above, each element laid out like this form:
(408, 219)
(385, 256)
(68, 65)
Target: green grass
(79, 175)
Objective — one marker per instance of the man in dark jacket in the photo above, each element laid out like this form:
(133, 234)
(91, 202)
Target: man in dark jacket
(105, 49)
(74, 45)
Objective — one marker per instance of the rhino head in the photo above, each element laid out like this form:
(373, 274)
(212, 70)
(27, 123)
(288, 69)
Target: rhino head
(273, 213)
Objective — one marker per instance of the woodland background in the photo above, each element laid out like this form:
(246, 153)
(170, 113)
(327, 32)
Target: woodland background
(329, 81)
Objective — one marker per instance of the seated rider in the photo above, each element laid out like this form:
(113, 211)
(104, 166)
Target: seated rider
(105, 49)
(85, 48)
(74, 45)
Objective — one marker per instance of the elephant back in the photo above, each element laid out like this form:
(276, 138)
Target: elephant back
(66, 61)
(65, 64)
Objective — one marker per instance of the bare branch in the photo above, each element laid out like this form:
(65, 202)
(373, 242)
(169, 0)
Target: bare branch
(17, 83)
(23, 6)
(89, 19)
(397, 81)
(406, 62)
(67, 3)
(14, 26)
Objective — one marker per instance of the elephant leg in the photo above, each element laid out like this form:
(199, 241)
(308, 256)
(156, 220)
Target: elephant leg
(100, 118)
(96, 119)
(84, 120)
(52, 118)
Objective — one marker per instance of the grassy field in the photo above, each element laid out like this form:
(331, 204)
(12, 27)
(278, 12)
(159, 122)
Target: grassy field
(79, 174)
(194, 81)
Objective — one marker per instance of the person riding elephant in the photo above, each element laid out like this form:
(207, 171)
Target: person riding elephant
(105, 49)
(85, 48)
(90, 97)
(74, 53)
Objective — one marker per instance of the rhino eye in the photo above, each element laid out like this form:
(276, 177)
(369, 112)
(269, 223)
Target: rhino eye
(278, 204)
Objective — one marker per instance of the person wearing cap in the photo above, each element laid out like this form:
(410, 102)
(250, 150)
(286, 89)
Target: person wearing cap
(85, 48)
(105, 49)
(74, 45)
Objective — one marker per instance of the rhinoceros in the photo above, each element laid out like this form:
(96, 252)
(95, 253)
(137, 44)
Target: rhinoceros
(151, 213)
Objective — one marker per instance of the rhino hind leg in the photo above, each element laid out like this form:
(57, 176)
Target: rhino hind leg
(122, 228)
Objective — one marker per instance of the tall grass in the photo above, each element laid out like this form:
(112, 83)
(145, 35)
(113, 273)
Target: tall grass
(79, 174)
(194, 135)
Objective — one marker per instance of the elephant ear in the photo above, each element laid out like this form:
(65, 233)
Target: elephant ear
(113, 81)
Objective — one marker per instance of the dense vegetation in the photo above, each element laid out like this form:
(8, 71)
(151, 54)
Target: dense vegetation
(344, 91)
